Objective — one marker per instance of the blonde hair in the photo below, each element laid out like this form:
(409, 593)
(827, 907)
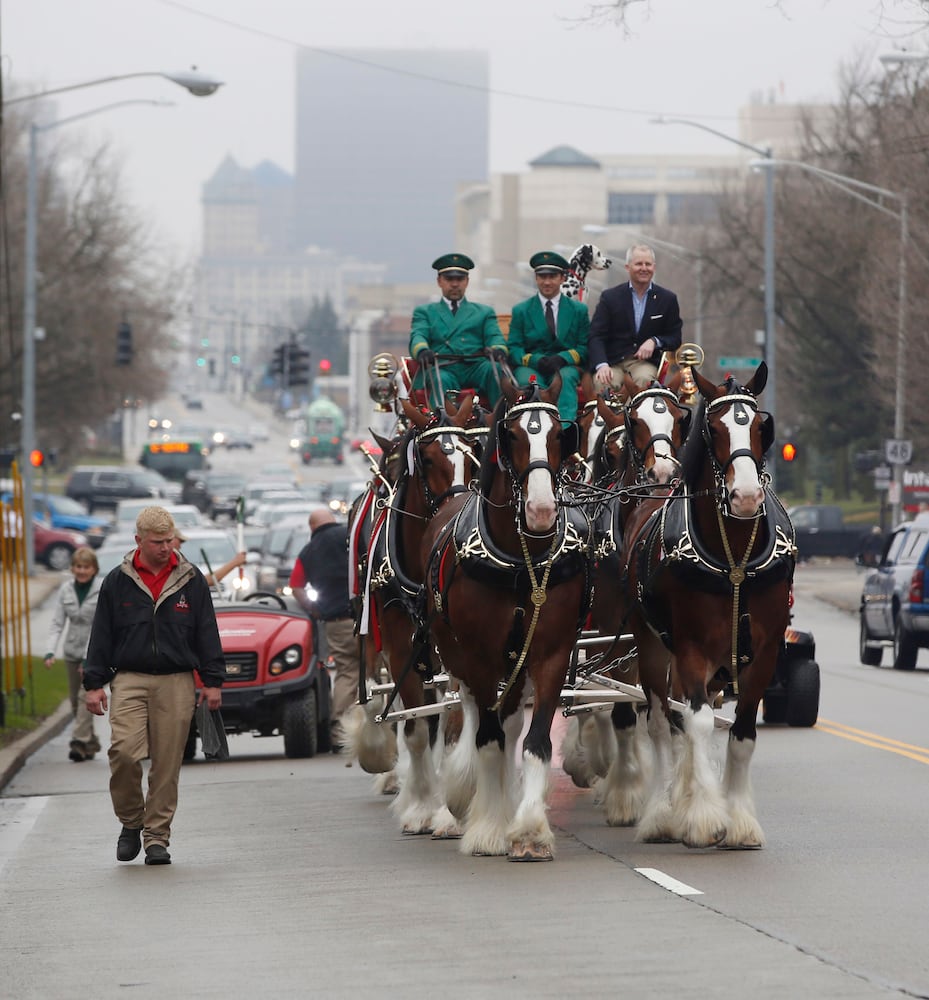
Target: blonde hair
(86, 555)
(154, 521)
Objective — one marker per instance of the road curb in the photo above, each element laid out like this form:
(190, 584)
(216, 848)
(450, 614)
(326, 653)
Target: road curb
(14, 756)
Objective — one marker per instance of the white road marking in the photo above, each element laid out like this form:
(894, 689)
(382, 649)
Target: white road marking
(671, 884)
(17, 818)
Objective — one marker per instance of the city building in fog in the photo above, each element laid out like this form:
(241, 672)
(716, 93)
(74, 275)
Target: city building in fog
(383, 145)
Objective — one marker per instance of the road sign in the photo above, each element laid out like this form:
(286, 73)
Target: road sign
(898, 451)
(739, 362)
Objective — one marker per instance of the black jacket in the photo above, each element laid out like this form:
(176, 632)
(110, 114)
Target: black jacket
(325, 568)
(613, 337)
(134, 633)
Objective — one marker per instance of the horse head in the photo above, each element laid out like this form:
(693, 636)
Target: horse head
(656, 427)
(531, 447)
(737, 435)
(609, 459)
(438, 450)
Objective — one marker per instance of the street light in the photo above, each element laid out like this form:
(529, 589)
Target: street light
(854, 188)
(199, 84)
(770, 329)
(194, 82)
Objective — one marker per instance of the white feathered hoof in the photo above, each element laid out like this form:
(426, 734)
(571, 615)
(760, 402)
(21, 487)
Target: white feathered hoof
(374, 745)
(526, 850)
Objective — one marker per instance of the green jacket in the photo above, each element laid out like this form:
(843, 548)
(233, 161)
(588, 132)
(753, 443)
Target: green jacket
(530, 340)
(473, 329)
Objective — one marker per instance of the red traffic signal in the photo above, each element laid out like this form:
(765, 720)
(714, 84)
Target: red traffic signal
(325, 365)
(788, 451)
(37, 458)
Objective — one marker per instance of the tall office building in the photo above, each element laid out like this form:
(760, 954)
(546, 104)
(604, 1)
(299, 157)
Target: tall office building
(384, 139)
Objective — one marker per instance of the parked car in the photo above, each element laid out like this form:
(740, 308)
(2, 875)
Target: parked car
(274, 683)
(63, 512)
(894, 600)
(105, 485)
(821, 530)
(213, 493)
(53, 547)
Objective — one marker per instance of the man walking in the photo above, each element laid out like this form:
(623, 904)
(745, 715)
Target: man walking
(322, 566)
(154, 625)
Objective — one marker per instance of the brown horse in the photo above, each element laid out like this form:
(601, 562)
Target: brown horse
(438, 462)
(639, 455)
(507, 586)
(709, 571)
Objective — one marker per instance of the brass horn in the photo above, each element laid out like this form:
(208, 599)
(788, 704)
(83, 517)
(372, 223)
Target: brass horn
(687, 357)
(382, 370)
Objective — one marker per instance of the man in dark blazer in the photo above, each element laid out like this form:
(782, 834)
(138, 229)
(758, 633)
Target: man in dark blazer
(633, 323)
(466, 337)
(548, 333)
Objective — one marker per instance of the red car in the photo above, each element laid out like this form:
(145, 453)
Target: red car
(274, 684)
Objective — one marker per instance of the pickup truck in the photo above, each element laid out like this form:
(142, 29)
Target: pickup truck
(821, 530)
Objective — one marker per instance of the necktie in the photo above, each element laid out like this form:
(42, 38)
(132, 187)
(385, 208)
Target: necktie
(454, 308)
(550, 317)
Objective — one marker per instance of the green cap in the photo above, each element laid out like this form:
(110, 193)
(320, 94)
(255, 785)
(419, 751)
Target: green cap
(548, 262)
(452, 262)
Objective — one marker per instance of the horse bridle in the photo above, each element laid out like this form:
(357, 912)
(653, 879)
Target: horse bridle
(451, 438)
(746, 401)
(638, 454)
(503, 453)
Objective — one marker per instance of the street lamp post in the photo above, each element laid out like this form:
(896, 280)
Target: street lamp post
(770, 319)
(198, 85)
(860, 191)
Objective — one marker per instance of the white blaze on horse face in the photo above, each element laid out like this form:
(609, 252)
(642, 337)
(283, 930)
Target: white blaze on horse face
(745, 491)
(594, 437)
(538, 490)
(655, 413)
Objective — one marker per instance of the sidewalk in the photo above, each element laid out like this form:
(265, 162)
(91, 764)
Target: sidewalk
(41, 586)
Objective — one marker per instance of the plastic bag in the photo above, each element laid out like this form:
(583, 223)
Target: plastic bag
(212, 733)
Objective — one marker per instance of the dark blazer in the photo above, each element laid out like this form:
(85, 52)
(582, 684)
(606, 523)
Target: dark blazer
(612, 329)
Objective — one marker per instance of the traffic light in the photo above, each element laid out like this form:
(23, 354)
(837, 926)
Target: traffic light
(212, 366)
(37, 458)
(124, 344)
(278, 362)
(325, 365)
(788, 451)
(298, 372)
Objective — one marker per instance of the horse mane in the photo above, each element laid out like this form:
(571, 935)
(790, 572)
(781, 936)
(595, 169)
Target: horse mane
(489, 463)
(692, 450)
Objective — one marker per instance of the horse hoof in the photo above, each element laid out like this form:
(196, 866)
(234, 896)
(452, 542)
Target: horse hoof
(446, 835)
(530, 852)
(714, 840)
(738, 847)
(409, 831)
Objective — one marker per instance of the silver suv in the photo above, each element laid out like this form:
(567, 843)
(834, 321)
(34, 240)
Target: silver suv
(894, 601)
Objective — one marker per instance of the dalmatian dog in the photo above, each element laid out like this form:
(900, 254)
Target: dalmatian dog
(586, 258)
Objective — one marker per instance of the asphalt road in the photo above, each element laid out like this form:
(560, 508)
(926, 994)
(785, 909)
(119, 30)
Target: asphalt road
(291, 878)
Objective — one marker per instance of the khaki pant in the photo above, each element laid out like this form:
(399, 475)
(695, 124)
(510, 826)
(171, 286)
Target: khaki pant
(345, 649)
(149, 717)
(643, 373)
(83, 732)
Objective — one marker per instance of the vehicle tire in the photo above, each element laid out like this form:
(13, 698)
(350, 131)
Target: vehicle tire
(190, 747)
(774, 706)
(905, 647)
(803, 694)
(58, 557)
(869, 652)
(299, 725)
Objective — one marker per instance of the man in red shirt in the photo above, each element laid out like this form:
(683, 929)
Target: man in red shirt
(154, 625)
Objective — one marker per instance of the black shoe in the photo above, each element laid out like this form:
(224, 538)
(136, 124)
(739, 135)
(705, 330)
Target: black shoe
(78, 751)
(129, 844)
(157, 854)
